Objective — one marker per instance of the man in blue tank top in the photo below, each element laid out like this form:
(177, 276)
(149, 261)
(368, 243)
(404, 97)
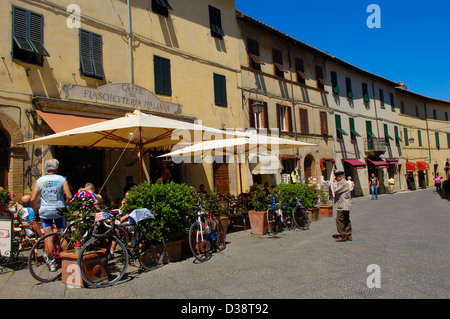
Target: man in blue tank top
(53, 190)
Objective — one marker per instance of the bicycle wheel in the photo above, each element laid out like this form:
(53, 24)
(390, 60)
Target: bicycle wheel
(44, 262)
(218, 234)
(199, 242)
(301, 218)
(98, 266)
(151, 247)
(272, 222)
(289, 221)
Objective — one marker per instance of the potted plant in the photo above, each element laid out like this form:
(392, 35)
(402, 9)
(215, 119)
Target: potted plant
(172, 205)
(5, 198)
(258, 216)
(325, 210)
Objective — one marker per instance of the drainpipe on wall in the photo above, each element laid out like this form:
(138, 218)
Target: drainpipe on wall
(428, 132)
(130, 43)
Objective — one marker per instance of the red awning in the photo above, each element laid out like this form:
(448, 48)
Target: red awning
(411, 167)
(63, 122)
(357, 164)
(378, 163)
(323, 160)
(422, 166)
(392, 160)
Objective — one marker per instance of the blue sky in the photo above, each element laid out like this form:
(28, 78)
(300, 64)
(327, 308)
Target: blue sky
(412, 45)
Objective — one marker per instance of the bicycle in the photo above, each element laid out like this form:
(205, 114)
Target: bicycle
(300, 216)
(204, 237)
(111, 249)
(277, 220)
(44, 263)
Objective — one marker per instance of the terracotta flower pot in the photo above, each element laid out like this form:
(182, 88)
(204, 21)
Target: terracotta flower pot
(172, 251)
(325, 211)
(313, 213)
(258, 222)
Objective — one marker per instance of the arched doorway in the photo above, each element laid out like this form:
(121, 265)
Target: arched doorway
(309, 166)
(5, 151)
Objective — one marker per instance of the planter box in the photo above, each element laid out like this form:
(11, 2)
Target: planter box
(172, 251)
(91, 264)
(258, 222)
(313, 213)
(225, 222)
(326, 211)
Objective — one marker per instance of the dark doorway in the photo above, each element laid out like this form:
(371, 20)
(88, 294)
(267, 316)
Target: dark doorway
(4, 159)
(80, 165)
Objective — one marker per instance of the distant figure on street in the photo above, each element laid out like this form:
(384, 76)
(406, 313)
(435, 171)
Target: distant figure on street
(374, 184)
(437, 183)
(343, 205)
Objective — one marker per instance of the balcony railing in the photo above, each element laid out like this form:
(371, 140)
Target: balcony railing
(374, 144)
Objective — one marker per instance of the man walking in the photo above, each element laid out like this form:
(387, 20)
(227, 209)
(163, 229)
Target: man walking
(374, 184)
(343, 205)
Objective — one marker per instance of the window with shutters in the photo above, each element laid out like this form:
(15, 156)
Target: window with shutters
(438, 143)
(91, 54)
(391, 95)
(220, 90)
(255, 60)
(365, 92)
(319, 76)
(28, 37)
(339, 130)
(284, 118)
(277, 57)
(161, 7)
(382, 98)
(258, 121)
(215, 22)
(353, 132)
(323, 123)
(300, 70)
(163, 82)
(304, 125)
(334, 82)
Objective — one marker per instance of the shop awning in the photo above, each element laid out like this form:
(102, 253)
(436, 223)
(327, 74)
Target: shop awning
(411, 167)
(357, 164)
(392, 160)
(379, 163)
(422, 166)
(267, 164)
(63, 122)
(323, 160)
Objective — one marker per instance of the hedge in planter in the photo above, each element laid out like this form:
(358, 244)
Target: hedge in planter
(307, 194)
(171, 204)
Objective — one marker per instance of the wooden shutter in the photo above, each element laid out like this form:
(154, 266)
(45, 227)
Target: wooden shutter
(87, 67)
(215, 22)
(438, 143)
(289, 119)
(37, 33)
(162, 76)
(97, 55)
(220, 90)
(304, 125)
(20, 29)
(265, 117)
(221, 178)
(251, 116)
(323, 123)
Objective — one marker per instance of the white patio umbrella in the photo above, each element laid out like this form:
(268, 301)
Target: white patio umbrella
(255, 144)
(137, 130)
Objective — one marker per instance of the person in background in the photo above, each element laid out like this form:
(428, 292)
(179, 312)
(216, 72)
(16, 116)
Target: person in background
(343, 205)
(28, 217)
(437, 183)
(374, 184)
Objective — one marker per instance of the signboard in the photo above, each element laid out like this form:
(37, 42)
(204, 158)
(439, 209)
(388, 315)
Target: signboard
(119, 94)
(5, 234)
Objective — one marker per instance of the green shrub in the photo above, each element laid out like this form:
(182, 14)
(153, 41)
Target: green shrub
(307, 194)
(171, 204)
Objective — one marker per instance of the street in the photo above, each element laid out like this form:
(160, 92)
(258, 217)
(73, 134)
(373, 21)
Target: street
(400, 249)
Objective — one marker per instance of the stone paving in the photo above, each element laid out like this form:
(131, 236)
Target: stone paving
(405, 234)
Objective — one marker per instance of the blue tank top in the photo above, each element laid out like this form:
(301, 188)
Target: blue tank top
(52, 195)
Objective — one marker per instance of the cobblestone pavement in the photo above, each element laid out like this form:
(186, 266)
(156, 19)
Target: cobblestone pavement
(405, 234)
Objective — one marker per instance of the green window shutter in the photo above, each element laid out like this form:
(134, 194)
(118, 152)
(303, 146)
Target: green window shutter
(419, 135)
(386, 133)
(220, 90)
(405, 132)
(392, 102)
(162, 76)
(339, 129)
(397, 135)
(369, 129)
(365, 91)
(334, 82)
(438, 143)
(215, 22)
(165, 4)
(97, 55)
(20, 29)
(353, 132)
(448, 139)
(86, 63)
(348, 84)
(37, 33)
(381, 97)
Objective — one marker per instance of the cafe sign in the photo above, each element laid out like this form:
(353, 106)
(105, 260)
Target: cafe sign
(119, 94)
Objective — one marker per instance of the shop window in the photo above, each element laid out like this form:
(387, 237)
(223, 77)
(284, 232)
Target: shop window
(163, 82)
(161, 7)
(28, 37)
(91, 54)
(215, 22)
(220, 90)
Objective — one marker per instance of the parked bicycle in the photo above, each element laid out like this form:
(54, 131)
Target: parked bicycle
(278, 219)
(103, 260)
(44, 262)
(206, 235)
(300, 216)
